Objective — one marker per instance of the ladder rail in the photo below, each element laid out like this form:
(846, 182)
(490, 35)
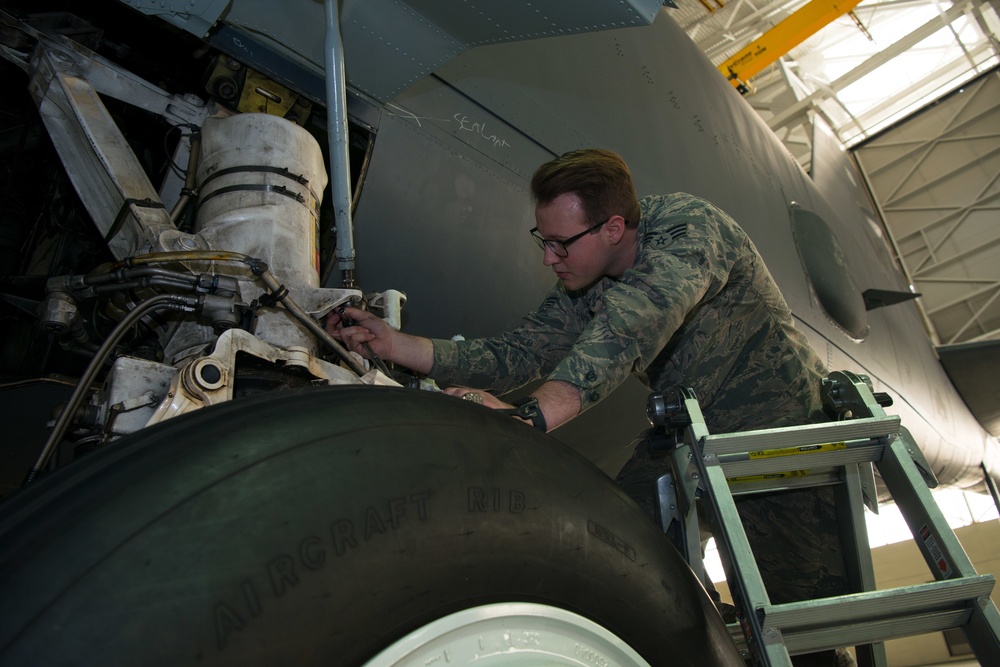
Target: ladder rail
(859, 480)
(735, 551)
(938, 544)
(741, 569)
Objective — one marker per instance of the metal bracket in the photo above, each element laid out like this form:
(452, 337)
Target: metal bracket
(66, 79)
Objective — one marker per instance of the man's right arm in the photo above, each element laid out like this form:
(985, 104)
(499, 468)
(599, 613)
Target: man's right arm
(558, 401)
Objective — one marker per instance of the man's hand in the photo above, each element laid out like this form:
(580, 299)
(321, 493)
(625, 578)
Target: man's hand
(361, 327)
(413, 352)
(478, 396)
(526, 410)
(558, 401)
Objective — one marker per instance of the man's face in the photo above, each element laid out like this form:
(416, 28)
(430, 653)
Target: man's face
(587, 261)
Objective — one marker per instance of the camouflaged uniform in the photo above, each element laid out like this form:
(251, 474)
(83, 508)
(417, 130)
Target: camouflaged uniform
(698, 308)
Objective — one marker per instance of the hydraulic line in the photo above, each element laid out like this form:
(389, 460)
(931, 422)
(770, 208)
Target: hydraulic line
(158, 302)
(184, 256)
(348, 322)
(189, 190)
(142, 283)
(259, 268)
(109, 277)
(279, 292)
(103, 280)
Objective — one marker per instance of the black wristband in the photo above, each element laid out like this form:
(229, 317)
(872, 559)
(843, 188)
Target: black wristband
(527, 409)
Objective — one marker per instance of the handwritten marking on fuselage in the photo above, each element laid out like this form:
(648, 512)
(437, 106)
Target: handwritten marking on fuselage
(465, 124)
(238, 43)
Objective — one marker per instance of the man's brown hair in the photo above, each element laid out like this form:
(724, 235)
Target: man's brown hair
(600, 178)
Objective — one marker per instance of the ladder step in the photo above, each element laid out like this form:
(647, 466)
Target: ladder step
(875, 606)
(796, 436)
(820, 639)
(740, 485)
(744, 466)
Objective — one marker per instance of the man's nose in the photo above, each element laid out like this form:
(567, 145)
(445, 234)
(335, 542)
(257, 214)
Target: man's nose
(550, 257)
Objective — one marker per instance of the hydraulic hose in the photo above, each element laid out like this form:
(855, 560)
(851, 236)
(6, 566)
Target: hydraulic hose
(185, 256)
(188, 191)
(172, 302)
(142, 283)
(260, 269)
(112, 277)
(158, 302)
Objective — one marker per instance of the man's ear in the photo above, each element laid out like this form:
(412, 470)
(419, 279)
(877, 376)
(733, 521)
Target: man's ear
(615, 229)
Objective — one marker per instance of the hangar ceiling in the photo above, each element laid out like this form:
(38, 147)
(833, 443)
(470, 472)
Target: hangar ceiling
(862, 72)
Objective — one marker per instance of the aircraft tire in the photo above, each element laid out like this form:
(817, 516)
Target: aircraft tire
(323, 526)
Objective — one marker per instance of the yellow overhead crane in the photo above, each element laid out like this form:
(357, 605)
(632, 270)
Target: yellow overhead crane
(781, 39)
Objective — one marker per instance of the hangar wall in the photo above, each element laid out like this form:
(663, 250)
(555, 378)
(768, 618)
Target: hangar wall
(936, 179)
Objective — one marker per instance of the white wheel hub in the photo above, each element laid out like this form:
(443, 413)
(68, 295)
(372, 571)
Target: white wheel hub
(510, 634)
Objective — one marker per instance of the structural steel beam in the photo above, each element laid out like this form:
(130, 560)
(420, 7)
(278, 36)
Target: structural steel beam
(782, 38)
(870, 65)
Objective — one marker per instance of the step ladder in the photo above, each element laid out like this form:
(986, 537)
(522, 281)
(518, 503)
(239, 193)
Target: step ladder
(840, 453)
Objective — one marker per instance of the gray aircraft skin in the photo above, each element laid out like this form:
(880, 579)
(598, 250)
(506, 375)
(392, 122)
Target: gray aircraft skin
(460, 104)
(650, 96)
(444, 209)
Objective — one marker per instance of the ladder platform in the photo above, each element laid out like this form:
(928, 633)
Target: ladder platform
(818, 446)
(738, 465)
(867, 428)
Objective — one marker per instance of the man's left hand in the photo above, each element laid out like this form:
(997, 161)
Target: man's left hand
(478, 396)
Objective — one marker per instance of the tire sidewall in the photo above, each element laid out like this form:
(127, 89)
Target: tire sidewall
(324, 525)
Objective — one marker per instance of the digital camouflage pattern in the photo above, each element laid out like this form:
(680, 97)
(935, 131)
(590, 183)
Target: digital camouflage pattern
(697, 309)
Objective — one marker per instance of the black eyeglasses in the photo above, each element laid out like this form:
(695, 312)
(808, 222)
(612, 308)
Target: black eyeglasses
(560, 247)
